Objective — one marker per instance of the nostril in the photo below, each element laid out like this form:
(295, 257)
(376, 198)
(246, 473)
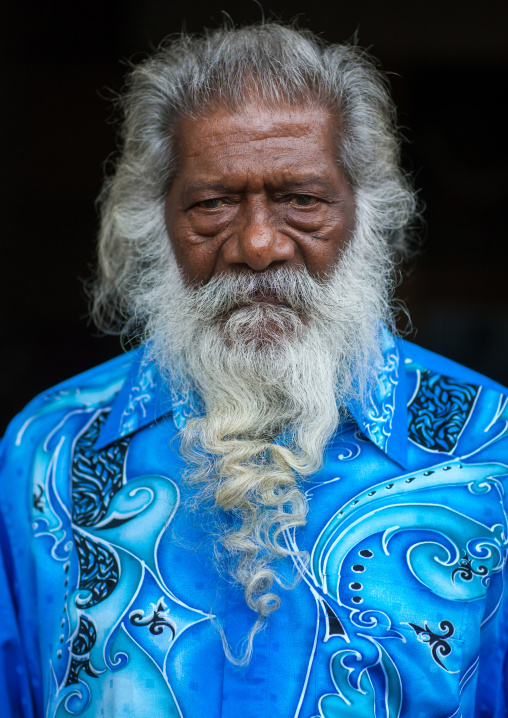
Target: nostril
(264, 247)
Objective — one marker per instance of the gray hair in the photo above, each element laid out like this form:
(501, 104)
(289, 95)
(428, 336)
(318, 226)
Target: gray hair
(191, 74)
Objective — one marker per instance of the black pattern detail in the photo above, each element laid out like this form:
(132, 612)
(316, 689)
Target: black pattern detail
(76, 667)
(86, 637)
(366, 553)
(466, 571)
(82, 644)
(38, 500)
(335, 627)
(439, 411)
(96, 475)
(157, 620)
(98, 570)
(437, 642)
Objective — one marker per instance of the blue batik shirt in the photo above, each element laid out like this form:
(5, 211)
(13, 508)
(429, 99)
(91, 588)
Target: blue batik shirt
(110, 599)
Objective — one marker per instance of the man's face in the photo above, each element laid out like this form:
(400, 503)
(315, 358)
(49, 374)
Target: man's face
(258, 189)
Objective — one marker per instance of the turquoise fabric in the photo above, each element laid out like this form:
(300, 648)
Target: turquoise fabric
(109, 600)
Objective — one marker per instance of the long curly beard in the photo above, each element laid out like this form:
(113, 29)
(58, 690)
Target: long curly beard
(273, 376)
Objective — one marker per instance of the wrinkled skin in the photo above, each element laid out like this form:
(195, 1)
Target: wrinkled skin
(258, 189)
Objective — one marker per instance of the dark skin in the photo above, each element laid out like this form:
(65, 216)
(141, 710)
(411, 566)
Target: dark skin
(258, 189)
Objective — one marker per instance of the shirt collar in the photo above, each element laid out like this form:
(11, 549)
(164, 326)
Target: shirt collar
(384, 419)
(145, 397)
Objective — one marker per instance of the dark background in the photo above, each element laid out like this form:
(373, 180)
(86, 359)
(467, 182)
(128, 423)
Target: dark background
(447, 61)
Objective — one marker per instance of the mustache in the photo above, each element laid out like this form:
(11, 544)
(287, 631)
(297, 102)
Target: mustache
(293, 289)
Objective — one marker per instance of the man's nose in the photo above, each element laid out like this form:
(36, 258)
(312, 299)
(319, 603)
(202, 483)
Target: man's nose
(256, 241)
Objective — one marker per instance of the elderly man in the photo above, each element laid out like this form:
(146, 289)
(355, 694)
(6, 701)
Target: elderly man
(271, 507)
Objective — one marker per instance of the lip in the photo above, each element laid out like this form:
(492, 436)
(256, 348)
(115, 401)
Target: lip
(265, 299)
(259, 299)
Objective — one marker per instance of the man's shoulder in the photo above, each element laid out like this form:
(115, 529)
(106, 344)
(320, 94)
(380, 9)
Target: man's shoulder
(452, 409)
(88, 390)
(421, 360)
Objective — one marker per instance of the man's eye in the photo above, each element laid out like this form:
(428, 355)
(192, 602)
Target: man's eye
(303, 200)
(212, 203)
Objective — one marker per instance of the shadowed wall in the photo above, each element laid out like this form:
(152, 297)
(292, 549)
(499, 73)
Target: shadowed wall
(448, 66)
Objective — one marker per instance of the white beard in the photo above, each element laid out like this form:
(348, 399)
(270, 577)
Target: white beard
(260, 370)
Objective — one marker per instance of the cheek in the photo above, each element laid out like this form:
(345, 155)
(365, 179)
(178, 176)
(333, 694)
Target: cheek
(196, 238)
(198, 267)
(322, 255)
(321, 259)
(189, 257)
(196, 259)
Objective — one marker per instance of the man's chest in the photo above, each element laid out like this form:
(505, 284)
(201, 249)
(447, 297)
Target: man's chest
(403, 568)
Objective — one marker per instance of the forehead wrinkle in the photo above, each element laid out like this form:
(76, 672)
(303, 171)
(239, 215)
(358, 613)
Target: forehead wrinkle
(224, 148)
(276, 131)
(240, 126)
(243, 142)
(219, 171)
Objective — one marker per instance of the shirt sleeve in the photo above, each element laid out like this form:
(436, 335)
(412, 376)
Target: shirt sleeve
(16, 697)
(491, 700)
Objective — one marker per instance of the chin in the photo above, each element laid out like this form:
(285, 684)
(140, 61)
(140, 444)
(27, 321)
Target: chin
(262, 325)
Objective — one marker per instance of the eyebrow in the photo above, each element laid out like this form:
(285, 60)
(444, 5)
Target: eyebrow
(292, 184)
(217, 187)
(284, 186)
